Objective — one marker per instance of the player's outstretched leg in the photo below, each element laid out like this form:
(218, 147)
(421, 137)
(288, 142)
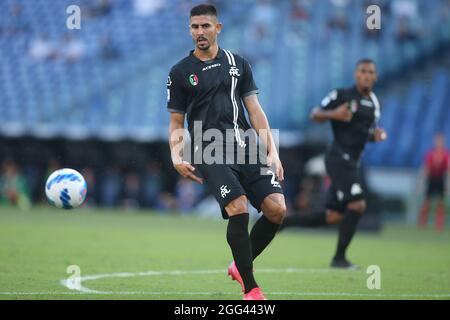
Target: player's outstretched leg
(313, 220)
(264, 230)
(239, 240)
(347, 229)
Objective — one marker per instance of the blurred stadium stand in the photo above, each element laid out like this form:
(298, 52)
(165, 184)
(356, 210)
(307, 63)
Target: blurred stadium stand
(299, 50)
(106, 82)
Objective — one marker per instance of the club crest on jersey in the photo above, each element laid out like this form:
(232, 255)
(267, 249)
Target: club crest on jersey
(234, 72)
(193, 79)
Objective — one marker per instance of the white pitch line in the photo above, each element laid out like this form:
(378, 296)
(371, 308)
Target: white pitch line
(84, 290)
(68, 284)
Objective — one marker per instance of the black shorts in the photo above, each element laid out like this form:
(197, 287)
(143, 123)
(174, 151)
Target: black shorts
(346, 182)
(436, 187)
(230, 181)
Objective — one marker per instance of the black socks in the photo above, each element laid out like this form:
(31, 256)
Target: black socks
(347, 229)
(239, 241)
(262, 234)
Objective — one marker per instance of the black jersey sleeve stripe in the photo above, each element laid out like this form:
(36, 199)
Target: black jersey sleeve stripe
(175, 110)
(249, 93)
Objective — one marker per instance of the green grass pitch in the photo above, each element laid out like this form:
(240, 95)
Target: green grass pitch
(146, 255)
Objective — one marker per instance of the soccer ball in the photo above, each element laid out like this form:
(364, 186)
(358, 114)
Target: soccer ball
(65, 188)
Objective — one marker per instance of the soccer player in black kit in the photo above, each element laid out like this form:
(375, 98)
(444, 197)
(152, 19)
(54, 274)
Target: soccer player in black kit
(353, 113)
(211, 86)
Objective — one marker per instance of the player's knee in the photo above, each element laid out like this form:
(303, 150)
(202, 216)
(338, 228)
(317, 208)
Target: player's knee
(237, 206)
(333, 217)
(276, 211)
(357, 206)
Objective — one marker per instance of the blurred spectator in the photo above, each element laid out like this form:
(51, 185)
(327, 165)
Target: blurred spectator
(340, 3)
(436, 172)
(110, 186)
(33, 176)
(42, 48)
(97, 8)
(108, 50)
(405, 31)
(14, 24)
(72, 49)
(404, 8)
(298, 10)
(13, 186)
(152, 186)
(263, 13)
(89, 176)
(147, 7)
(130, 199)
(259, 33)
(53, 164)
(372, 34)
(188, 194)
(338, 21)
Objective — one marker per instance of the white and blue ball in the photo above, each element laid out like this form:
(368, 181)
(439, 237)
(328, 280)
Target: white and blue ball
(66, 188)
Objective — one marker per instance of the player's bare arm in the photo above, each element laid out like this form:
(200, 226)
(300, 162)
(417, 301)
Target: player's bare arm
(341, 113)
(176, 142)
(379, 134)
(259, 122)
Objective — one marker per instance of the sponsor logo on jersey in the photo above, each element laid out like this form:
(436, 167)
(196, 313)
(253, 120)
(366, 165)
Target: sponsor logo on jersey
(367, 103)
(211, 66)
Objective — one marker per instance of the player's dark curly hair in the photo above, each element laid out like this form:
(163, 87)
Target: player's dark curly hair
(204, 9)
(364, 61)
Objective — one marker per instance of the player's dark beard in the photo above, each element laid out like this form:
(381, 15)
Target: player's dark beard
(203, 48)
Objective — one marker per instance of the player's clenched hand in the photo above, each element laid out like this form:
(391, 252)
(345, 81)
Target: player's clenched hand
(380, 134)
(274, 160)
(186, 170)
(343, 113)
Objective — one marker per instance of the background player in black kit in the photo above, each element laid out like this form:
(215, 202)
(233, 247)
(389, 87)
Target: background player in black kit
(207, 87)
(353, 113)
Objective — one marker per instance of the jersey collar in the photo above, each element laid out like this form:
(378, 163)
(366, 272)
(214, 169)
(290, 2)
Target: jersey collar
(355, 89)
(197, 60)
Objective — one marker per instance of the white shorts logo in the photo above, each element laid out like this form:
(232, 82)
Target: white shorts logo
(224, 191)
(273, 181)
(340, 195)
(356, 189)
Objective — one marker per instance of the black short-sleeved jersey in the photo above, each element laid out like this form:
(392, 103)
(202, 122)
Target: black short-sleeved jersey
(211, 91)
(351, 137)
